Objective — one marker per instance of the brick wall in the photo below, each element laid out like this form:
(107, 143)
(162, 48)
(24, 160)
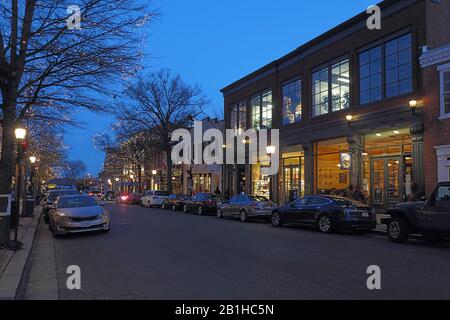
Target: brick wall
(437, 132)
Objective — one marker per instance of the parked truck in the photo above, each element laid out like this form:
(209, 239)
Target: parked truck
(429, 217)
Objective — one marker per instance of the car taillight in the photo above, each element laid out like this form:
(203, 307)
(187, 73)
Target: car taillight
(124, 197)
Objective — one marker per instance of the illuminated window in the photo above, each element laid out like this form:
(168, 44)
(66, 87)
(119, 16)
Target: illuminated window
(331, 84)
(262, 107)
(320, 92)
(292, 102)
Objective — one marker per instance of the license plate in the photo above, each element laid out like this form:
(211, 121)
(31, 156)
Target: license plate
(365, 214)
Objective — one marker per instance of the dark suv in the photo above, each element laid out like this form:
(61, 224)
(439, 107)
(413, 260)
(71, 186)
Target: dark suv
(430, 217)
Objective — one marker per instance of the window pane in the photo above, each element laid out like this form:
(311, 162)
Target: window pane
(398, 69)
(256, 112)
(292, 102)
(320, 92)
(447, 103)
(267, 110)
(340, 86)
(242, 112)
(370, 75)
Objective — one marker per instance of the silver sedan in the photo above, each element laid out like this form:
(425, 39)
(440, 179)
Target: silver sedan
(246, 207)
(78, 213)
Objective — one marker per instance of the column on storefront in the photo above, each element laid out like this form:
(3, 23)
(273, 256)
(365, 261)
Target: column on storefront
(418, 153)
(355, 144)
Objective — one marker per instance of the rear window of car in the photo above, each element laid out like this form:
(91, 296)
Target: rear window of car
(55, 195)
(258, 198)
(161, 193)
(349, 202)
(77, 202)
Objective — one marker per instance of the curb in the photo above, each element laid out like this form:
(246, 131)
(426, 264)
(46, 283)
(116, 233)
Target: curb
(12, 275)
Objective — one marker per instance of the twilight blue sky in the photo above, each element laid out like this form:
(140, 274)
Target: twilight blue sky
(213, 43)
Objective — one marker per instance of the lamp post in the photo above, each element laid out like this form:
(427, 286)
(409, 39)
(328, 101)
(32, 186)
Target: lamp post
(270, 152)
(32, 162)
(20, 134)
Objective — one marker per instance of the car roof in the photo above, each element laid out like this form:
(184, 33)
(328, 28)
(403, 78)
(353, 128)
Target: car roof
(76, 196)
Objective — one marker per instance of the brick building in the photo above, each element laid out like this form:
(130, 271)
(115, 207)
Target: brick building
(435, 62)
(372, 76)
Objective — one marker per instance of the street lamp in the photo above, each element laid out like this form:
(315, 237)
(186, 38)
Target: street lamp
(33, 160)
(154, 172)
(413, 106)
(349, 119)
(270, 152)
(20, 134)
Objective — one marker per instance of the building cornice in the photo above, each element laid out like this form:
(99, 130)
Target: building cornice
(435, 56)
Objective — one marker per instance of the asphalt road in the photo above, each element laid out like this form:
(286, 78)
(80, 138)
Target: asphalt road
(156, 254)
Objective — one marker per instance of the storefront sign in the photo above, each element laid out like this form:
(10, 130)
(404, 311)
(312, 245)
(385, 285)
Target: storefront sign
(378, 196)
(345, 160)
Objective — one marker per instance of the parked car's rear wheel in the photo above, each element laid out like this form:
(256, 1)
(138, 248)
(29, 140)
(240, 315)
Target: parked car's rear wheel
(219, 213)
(174, 207)
(398, 230)
(276, 219)
(324, 224)
(243, 216)
(200, 210)
(185, 208)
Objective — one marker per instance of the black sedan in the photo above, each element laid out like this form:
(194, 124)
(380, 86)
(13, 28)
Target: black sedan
(175, 202)
(327, 213)
(202, 203)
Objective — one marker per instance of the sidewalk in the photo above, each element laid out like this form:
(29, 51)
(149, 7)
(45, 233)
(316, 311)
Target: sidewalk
(12, 263)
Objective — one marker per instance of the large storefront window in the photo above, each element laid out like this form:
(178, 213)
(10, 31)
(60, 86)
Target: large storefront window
(260, 181)
(388, 167)
(293, 176)
(333, 166)
(201, 183)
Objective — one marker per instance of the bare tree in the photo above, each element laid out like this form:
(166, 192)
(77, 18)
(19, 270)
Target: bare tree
(160, 104)
(73, 170)
(130, 147)
(47, 69)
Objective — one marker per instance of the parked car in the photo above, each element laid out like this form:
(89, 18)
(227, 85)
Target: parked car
(78, 213)
(202, 203)
(95, 193)
(124, 198)
(327, 213)
(51, 197)
(430, 218)
(136, 198)
(175, 202)
(153, 198)
(246, 207)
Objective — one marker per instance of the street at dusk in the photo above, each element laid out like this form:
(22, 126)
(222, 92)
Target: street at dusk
(224, 158)
(158, 254)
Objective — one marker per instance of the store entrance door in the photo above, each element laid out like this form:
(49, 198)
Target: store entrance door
(386, 184)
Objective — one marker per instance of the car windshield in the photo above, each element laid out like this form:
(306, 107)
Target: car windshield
(258, 199)
(161, 193)
(77, 202)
